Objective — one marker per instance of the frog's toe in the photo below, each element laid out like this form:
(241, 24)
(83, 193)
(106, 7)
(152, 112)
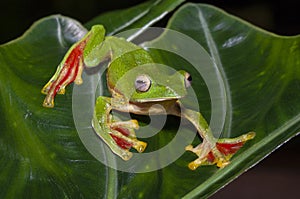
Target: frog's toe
(139, 146)
(61, 91)
(46, 88)
(126, 155)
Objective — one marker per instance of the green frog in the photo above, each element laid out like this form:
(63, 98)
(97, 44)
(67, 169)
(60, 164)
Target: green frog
(136, 84)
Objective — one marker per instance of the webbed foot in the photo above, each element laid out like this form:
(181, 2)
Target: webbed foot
(117, 134)
(218, 154)
(124, 136)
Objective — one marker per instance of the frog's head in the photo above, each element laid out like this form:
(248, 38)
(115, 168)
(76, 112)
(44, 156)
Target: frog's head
(153, 82)
(160, 87)
(135, 77)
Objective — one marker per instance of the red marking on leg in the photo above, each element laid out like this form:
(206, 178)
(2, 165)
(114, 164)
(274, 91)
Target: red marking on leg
(210, 157)
(229, 148)
(68, 72)
(122, 130)
(70, 68)
(121, 142)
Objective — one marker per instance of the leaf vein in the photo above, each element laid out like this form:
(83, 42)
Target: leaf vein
(213, 51)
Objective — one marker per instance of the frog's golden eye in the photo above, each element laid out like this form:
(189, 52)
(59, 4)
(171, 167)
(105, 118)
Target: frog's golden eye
(187, 80)
(142, 83)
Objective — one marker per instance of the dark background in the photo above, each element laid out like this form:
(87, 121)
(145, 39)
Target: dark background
(16, 16)
(275, 177)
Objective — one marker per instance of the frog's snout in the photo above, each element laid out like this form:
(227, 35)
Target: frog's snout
(187, 77)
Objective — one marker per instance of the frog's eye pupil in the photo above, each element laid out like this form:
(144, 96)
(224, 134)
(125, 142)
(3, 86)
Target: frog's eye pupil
(188, 80)
(142, 83)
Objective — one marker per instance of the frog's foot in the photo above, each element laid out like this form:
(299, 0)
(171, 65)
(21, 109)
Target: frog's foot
(124, 135)
(122, 138)
(220, 153)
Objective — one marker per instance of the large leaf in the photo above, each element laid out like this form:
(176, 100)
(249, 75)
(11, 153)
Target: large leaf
(261, 75)
(260, 72)
(42, 156)
(41, 153)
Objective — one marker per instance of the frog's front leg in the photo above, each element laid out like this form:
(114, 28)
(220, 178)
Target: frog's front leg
(70, 68)
(68, 71)
(118, 135)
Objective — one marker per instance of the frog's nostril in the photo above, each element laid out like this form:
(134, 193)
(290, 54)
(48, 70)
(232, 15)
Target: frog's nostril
(187, 80)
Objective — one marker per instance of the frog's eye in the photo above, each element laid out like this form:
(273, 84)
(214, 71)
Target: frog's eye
(142, 83)
(187, 80)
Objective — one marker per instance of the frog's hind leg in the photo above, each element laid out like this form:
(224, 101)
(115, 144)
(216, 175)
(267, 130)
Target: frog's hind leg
(211, 150)
(219, 153)
(118, 135)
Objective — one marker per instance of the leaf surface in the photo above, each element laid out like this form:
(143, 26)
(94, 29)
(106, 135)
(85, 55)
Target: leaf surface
(42, 155)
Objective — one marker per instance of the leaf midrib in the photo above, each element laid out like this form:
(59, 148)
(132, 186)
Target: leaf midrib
(213, 51)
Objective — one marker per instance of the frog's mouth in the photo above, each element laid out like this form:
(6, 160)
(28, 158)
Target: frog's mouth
(155, 107)
(153, 100)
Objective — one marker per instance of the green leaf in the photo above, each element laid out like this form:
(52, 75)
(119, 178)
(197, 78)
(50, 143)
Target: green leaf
(41, 154)
(143, 15)
(40, 151)
(261, 74)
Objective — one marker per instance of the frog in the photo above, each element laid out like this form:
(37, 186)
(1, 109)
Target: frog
(136, 85)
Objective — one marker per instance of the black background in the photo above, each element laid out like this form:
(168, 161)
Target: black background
(275, 177)
(279, 16)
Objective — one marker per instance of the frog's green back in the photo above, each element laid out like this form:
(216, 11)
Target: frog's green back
(124, 68)
(100, 48)
(125, 63)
